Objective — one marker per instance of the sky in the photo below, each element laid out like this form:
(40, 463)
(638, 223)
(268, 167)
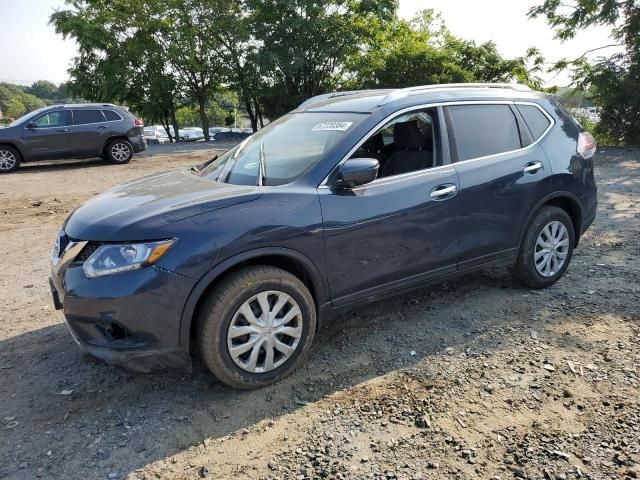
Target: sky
(30, 49)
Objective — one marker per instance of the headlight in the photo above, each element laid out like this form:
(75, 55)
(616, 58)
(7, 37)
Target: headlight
(110, 259)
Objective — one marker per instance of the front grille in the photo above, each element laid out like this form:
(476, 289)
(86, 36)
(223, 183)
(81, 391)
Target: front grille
(86, 252)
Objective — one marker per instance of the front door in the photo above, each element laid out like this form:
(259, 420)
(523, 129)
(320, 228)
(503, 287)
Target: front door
(47, 137)
(401, 228)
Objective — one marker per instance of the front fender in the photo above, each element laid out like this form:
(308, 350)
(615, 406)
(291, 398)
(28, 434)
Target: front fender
(189, 310)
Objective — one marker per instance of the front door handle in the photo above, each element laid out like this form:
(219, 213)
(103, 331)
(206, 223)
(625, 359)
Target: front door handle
(442, 192)
(63, 130)
(532, 167)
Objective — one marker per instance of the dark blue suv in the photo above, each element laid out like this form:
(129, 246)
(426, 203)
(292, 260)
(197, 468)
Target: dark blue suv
(350, 198)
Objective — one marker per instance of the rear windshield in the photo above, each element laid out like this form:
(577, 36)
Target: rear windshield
(282, 150)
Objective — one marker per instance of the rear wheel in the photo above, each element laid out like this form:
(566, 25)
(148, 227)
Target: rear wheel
(546, 249)
(119, 151)
(9, 159)
(256, 327)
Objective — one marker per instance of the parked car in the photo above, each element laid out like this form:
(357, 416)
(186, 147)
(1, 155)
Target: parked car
(71, 131)
(230, 136)
(191, 134)
(348, 199)
(214, 130)
(155, 135)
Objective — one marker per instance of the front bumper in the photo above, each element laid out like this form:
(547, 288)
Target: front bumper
(130, 319)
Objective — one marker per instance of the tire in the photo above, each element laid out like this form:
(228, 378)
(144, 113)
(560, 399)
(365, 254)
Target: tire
(119, 151)
(9, 159)
(222, 311)
(530, 268)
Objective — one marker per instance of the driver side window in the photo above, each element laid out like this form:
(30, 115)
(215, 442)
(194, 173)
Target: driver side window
(407, 143)
(57, 118)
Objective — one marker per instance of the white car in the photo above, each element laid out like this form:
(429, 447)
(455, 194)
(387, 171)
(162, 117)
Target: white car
(155, 135)
(190, 134)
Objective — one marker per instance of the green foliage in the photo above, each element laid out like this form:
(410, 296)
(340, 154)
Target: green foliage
(613, 81)
(422, 52)
(15, 102)
(174, 60)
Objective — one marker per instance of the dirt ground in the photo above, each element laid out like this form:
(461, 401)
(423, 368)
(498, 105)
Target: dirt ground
(477, 378)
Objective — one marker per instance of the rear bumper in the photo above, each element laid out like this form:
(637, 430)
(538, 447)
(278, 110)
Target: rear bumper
(131, 320)
(589, 203)
(138, 143)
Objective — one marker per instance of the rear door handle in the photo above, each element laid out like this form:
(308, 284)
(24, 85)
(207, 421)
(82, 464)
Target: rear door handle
(102, 127)
(63, 130)
(442, 192)
(532, 167)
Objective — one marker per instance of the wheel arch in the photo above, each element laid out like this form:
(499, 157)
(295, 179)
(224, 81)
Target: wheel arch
(568, 202)
(111, 139)
(15, 147)
(287, 259)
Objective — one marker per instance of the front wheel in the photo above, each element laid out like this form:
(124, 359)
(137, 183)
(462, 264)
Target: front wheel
(547, 248)
(119, 151)
(9, 159)
(256, 326)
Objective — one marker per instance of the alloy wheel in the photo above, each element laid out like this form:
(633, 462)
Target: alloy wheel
(265, 332)
(552, 248)
(7, 160)
(120, 152)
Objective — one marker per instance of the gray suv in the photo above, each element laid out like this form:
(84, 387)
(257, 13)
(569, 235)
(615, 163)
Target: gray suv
(71, 131)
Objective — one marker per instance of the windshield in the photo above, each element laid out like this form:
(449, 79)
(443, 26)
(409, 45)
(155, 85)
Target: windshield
(26, 117)
(282, 150)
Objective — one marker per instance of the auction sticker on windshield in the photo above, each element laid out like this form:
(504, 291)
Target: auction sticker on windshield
(334, 126)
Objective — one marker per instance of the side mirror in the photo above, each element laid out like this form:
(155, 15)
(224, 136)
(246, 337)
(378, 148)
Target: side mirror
(32, 125)
(356, 171)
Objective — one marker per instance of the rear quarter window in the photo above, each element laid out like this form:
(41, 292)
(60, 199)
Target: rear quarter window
(481, 130)
(81, 117)
(111, 116)
(535, 120)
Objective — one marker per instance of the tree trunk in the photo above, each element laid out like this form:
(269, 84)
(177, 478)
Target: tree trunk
(259, 113)
(204, 121)
(176, 130)
(252, 116)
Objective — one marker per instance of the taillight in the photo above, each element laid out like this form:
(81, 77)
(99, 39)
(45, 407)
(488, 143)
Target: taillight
(586, 145)
(138, 123)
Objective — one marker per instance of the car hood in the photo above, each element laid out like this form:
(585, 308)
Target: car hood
(140, 209)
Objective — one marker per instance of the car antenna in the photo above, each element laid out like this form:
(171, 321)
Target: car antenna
(261, 167)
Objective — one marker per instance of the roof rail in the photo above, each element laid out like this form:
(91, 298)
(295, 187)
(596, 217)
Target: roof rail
(327, 96)
(405, 92)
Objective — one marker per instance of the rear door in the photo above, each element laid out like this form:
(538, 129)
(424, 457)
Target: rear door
(89, 132)
(502, 171)
(47, 137)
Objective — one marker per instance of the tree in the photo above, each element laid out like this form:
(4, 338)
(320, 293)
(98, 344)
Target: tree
(612, 80)
(43, 89)
(422, 51)
(305, 45)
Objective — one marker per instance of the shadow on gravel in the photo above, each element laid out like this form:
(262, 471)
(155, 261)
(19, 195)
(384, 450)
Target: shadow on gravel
(60, 165)
(114, 417)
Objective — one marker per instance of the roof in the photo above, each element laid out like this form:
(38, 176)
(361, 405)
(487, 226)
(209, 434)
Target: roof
(365, 101)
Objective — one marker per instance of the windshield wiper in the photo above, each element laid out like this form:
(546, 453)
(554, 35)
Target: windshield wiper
(262, 172)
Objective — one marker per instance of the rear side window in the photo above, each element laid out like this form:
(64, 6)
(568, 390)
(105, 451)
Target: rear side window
(81, 117)
(481, 130)
(111, 115)
(535, 119)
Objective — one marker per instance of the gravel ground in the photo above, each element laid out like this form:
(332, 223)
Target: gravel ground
(476, 378)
